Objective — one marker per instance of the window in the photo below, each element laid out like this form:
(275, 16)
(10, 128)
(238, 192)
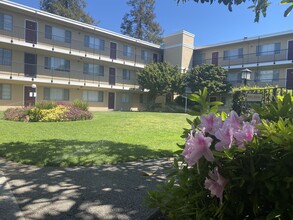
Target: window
(57, 64)
(57, 34)
(234, 77)
(5, 22)
(144, 55)
(126, 51)
(268, 49)
(93, 69)
(233, 54)
(125, 98)
(92, 96)
(126, 74)
(5, 91)
(199, 58)
(56, 94)
(5, 57)
(267, 75)
(94, 43)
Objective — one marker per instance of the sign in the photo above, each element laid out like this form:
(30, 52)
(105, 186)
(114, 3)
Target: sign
(254, 97)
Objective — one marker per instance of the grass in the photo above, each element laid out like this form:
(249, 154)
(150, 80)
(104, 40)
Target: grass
(111, 137)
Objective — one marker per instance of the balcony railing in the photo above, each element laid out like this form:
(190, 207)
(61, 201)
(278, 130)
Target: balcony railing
(72, 77)
(280, 82)
(271, 57)
(77, 46)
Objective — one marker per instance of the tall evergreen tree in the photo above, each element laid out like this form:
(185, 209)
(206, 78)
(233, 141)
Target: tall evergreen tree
(140, 21)
(73, 9)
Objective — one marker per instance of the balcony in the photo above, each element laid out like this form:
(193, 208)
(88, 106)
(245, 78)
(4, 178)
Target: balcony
(15, 73)
(73, 47)
(249, 60)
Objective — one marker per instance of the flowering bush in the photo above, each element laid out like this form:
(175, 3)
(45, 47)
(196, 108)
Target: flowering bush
(16, 114)
(232, 167)
(55, 114)
(48, 112)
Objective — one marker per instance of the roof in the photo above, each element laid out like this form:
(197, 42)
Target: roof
(245, 39)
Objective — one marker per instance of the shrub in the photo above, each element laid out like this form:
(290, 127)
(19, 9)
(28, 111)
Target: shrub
(35, 114)
(49, 112)
(232, 167)
(45, 105)
(17, 114)
(56, 114)
(75, 113)
(81, 104)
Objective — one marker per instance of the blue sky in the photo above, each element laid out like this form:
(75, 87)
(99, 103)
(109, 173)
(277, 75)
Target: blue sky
(210, 23)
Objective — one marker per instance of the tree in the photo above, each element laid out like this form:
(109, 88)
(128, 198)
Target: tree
(160, 79)
(258, 6)
(209, 76)
(140, 21)
(73, 9)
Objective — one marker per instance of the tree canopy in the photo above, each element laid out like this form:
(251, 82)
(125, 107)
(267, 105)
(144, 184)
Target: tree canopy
(140, 21)
(160, 79)
(212, 77)
(73, 9)
(258, 6)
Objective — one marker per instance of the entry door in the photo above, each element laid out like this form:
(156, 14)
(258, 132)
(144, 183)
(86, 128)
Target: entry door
(111, 100)
(289, 82)
(30, 64)
(290, 50)
(112, 76)
(215, 58)
(31, 32)
(29, 96)
(113, 51)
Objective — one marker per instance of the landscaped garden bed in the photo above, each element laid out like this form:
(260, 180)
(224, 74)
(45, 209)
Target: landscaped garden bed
(50, 112)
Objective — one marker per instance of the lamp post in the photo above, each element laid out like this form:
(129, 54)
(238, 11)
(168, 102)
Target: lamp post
(245, 75)
(34, 94)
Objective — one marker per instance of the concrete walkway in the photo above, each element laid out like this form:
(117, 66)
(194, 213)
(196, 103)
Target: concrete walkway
(103, 192)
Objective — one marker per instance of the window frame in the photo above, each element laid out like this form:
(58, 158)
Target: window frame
(125, 98)
(65, 94)
(3, 58)
(1, 91)
(99, 96)
(49, 34)
(97, 47)
(3, 26)
(50, 64)
(87, 67)
(126, 74)
(276, 50)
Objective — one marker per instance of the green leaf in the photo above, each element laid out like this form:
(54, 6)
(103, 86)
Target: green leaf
(288, 10)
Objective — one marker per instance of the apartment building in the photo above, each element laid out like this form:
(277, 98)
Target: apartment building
(45, 57)
(269, 57)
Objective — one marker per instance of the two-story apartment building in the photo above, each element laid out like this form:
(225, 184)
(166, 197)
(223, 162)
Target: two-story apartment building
(45, 57)
(269, 57)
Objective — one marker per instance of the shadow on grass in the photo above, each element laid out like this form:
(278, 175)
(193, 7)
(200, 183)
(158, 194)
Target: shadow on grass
(56, 152)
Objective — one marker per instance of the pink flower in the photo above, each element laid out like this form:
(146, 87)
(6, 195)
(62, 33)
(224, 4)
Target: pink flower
(245, 134)
(255, 119)
(216, 183)
(196, 146)
(234, 121)
(225, 135)
(210, 123)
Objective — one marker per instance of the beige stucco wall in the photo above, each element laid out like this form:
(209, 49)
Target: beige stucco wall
(178, 49)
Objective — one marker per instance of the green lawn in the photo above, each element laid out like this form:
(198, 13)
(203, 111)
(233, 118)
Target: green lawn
(111, 137)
